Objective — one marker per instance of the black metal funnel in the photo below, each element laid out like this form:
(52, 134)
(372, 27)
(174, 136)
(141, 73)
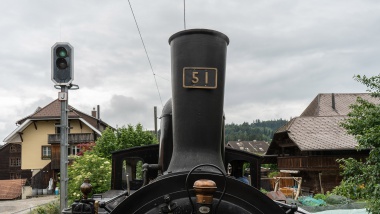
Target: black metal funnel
(198, 67)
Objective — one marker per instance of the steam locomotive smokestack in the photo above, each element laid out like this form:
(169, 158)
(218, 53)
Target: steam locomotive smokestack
(198, 59)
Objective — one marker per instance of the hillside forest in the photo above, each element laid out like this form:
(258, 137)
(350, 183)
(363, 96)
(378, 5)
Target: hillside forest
(257, 130)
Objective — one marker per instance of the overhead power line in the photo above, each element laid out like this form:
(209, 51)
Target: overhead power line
(146, 52)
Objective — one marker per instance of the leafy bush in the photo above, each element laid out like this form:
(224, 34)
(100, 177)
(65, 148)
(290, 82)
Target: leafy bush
(95, 163)
(263, 191)
(320, 196)
(273, 174)
(91, 166)
(336, 199)
(271, 166)
(350, 190)
(50, 208)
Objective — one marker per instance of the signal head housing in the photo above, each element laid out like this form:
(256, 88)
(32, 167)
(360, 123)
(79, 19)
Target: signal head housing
(62, 63)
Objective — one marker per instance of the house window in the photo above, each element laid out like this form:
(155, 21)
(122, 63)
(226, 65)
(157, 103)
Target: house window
(58, 128)
(14, 161)
(15, 148)
(73, 150)
(46, 152)
(14, 175)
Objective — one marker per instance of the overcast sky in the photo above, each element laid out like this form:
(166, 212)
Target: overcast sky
(281, 54)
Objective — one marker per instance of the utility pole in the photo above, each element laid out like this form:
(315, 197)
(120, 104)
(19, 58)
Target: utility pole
(155, 123)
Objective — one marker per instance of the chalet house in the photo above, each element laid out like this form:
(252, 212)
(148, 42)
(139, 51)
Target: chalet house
(38, 137)
(309, 145)
(256, 147)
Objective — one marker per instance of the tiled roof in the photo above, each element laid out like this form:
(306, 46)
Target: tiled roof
(335, 104)
(285, 127)
(11, 189)
(318, 127)
(52, 110)
(258, 147)
(320, 133)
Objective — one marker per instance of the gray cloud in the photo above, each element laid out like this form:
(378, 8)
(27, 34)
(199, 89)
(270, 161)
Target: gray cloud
(281, 54)
(124, 110)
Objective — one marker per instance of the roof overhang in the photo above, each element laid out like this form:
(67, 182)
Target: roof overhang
(92, 127)
(14, 137)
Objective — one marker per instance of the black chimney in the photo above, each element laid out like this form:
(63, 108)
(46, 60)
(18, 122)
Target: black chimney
(198, 64)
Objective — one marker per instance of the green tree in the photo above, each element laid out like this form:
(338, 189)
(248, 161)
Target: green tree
(122, 138)
(95, 163)
(91, 166)
(258, 130)
(364, 124)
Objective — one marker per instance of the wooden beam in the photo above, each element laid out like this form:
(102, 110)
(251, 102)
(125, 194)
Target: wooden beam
(80, 124)
(311, 169)
(20, 134)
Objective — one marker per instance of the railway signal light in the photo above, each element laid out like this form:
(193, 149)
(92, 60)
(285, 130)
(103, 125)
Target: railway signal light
(62, 63)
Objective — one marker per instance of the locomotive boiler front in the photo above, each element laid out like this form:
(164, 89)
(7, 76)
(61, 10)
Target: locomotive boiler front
(198, 76)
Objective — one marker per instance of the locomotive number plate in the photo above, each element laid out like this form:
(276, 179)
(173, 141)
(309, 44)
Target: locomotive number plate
(194, 77)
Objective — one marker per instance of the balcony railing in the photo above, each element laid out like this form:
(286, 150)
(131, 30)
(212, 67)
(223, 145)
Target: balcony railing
(72, 138)
(308, 162)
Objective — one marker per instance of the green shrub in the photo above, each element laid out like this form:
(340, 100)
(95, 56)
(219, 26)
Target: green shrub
(350, 190)
(51, 208)
(320, 196)
(337, 199)
(91, 166)
(273, 174)
(263, 191)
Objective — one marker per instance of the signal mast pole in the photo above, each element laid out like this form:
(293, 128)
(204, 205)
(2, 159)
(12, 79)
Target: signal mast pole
(62, 74)
(63, 146)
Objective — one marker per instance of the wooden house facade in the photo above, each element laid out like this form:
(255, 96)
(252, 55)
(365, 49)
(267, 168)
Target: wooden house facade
(308, 146)
(10, 163)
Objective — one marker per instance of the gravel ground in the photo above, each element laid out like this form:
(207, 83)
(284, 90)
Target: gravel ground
(24, 206)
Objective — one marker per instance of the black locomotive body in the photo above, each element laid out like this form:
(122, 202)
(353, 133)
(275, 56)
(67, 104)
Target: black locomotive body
(188, 172)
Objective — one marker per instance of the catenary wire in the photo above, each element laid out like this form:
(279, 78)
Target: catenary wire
(146, 52)
(184, 14)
